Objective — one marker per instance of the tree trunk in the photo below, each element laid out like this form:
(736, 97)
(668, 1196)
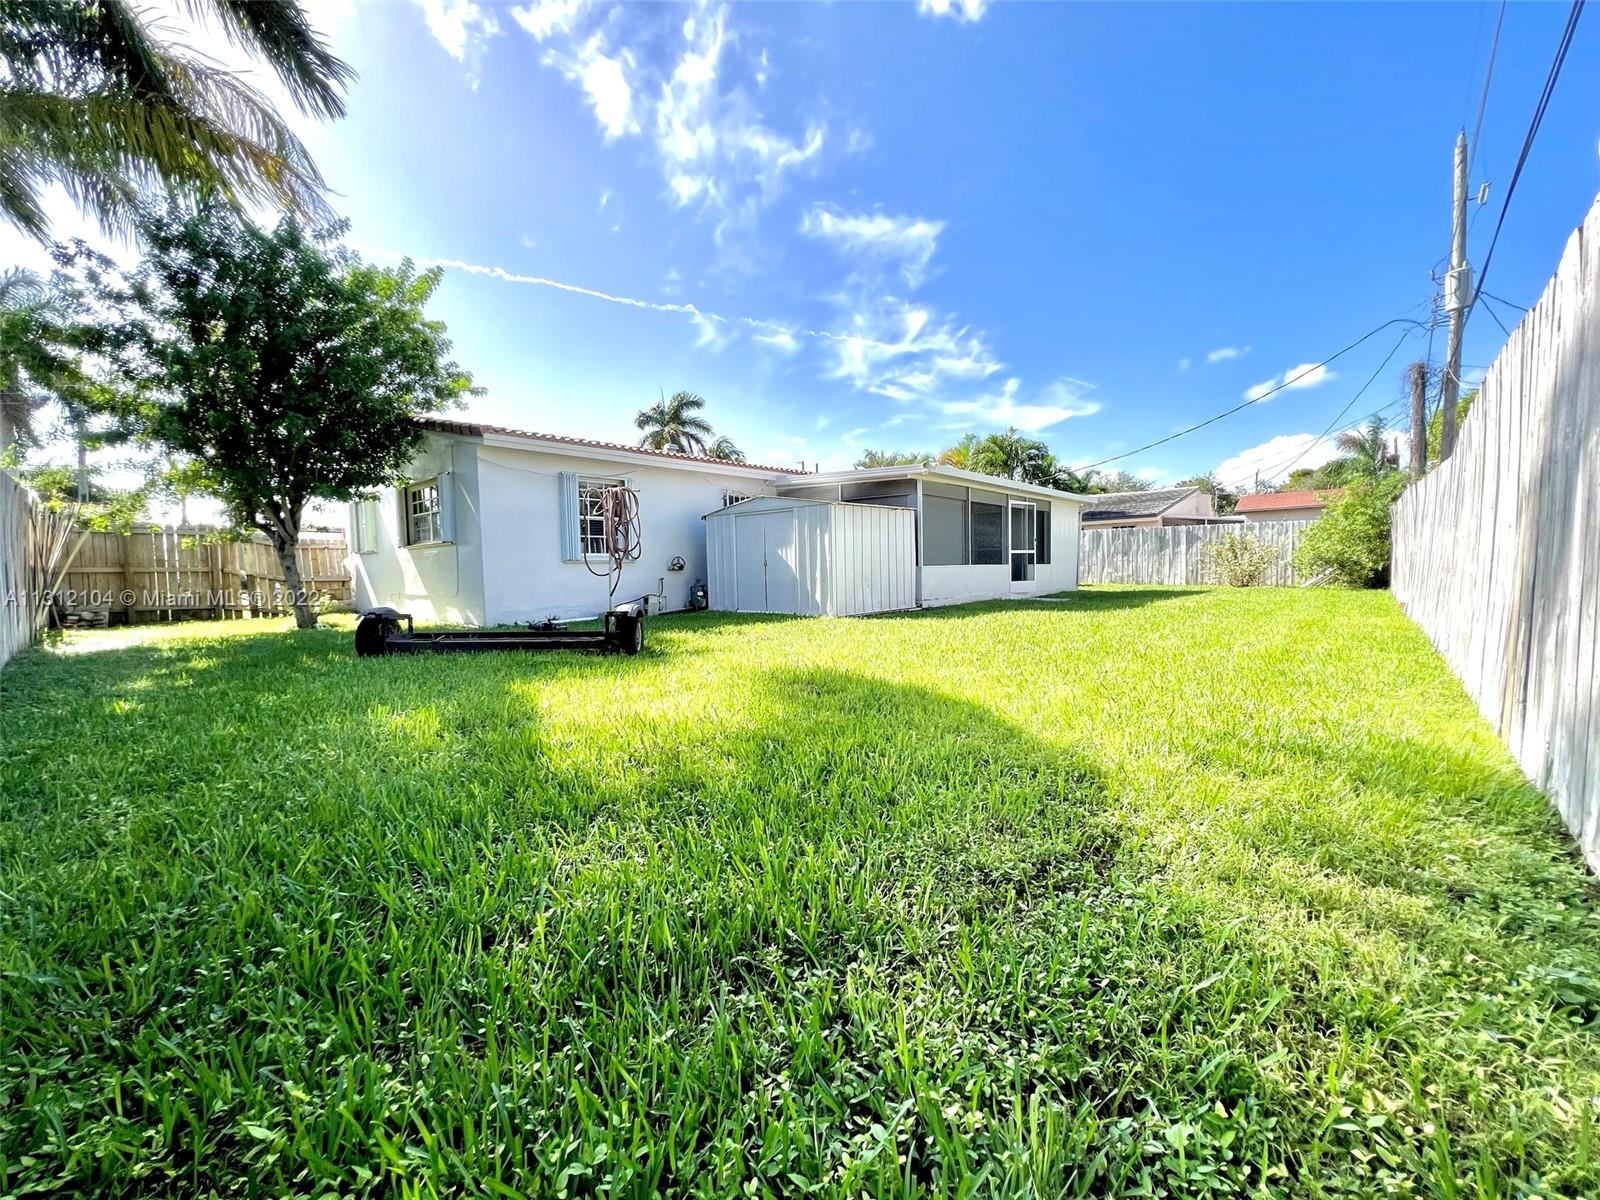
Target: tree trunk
(304, 618)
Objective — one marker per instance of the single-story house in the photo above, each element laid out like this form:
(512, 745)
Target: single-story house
(1164, 506)
(1286, 506)
(496, 525)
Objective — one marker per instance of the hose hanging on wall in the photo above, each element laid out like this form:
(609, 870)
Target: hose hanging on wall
(620, 535)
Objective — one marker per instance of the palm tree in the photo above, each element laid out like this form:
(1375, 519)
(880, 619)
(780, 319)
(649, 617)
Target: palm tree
(35, 367)
(1368, 454)
(675, 424)
(1013, 456)
(961, 454)
(724, 449)
(93, 100)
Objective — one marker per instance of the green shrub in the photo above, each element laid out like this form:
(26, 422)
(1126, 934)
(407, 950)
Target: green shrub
(1352, 539)
(1239, 560)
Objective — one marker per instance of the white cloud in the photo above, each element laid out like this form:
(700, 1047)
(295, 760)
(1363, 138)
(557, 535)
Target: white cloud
(462, 27)
(908, 241)
(1183, 364)
(904, 352)
(1224, 353)
(782, 341)
(961, 10)
(713, 147)
(1150, 474)
(1274, 459)
(714, 332)
(1306, 375)
(546, 18)
(1057, 402)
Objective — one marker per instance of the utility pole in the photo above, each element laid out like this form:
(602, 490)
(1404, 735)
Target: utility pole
(1418, 377)
(1457, 300)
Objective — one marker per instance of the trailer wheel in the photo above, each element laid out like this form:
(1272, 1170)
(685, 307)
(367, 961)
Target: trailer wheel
(629, 634)
(370, 633)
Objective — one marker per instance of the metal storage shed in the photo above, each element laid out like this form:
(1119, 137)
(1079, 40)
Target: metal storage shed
(783, 554)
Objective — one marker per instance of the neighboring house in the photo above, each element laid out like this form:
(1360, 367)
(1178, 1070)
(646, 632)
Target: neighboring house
(497, 525)
(1166, 506)
(1286, 506)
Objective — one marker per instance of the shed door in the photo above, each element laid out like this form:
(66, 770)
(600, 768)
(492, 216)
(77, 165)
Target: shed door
(765, 577)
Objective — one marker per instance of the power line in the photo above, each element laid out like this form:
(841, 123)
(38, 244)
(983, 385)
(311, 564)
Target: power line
(1290, 382)
(1507, 303)
(1483, 98)
(1527, 142)
(1339, 416)
(1489, 308)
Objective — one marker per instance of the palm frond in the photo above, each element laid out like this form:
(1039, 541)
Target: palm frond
(278, 31)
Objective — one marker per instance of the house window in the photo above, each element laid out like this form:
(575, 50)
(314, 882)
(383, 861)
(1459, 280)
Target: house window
(729, 499)
(422, 513)
(1042, 538)
(944, 531)
(988, 534)
(364, 527)
(591, 514)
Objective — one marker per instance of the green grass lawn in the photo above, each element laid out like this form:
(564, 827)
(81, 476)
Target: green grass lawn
(1152, 892)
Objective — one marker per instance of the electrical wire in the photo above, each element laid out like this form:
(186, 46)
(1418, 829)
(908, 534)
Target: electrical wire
(1483, 97)
(1290, 382)
(1285, 468)
(1489, 308)
(1527, 142)
(1507, 303)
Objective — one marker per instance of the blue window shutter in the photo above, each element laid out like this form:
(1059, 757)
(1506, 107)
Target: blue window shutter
(568, 510)
(447, 506)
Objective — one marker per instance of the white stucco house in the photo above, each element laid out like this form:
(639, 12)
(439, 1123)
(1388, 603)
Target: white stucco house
(495, 526)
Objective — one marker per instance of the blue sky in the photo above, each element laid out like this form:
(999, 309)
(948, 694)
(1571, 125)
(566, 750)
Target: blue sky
(883, 225)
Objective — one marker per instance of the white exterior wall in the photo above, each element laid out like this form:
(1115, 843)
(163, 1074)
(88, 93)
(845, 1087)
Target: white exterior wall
(441, 582)
(524, 576)
(790, 555)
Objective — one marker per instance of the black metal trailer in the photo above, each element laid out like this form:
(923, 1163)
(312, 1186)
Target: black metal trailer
(380, 631)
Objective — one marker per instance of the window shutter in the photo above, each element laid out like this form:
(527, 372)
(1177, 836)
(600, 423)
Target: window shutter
(447, 506)
(369, 526)
(568, 510)
(402, 532)
(353, 525)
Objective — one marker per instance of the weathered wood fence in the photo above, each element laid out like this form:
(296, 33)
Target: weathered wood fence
(32, 541)
(1497, 551)
(170, 574)
(1175, 554)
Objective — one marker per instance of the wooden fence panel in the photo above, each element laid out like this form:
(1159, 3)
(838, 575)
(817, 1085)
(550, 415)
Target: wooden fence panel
(1175, 554)
(165, 574)
(32, 541)
(1497, 551)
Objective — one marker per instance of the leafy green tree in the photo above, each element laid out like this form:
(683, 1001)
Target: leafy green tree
(893, 458)
(104, 509)
(1011, 455)
(1223, 501)
(724, 449)
(94, 100)
(1351, 542)
(961, 454)
(283, 366)
(37, 362)
(1436, 425)
(675, 423)
(1367, 453)
(1121, 481)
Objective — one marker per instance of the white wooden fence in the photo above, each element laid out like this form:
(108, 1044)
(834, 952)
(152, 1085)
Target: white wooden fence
(1175, 554)
(1497, 551)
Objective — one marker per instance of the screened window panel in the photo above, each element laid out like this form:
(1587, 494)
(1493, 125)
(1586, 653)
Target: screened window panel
(1042, 541)
(988, 534)
(944, 531)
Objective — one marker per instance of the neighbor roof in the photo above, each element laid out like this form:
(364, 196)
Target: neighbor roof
(1127, 506)
(1270, 501)
(475, 430)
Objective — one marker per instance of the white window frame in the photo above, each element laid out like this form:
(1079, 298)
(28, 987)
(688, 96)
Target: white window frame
(591, 531)
(729, 499)
(432, 516)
